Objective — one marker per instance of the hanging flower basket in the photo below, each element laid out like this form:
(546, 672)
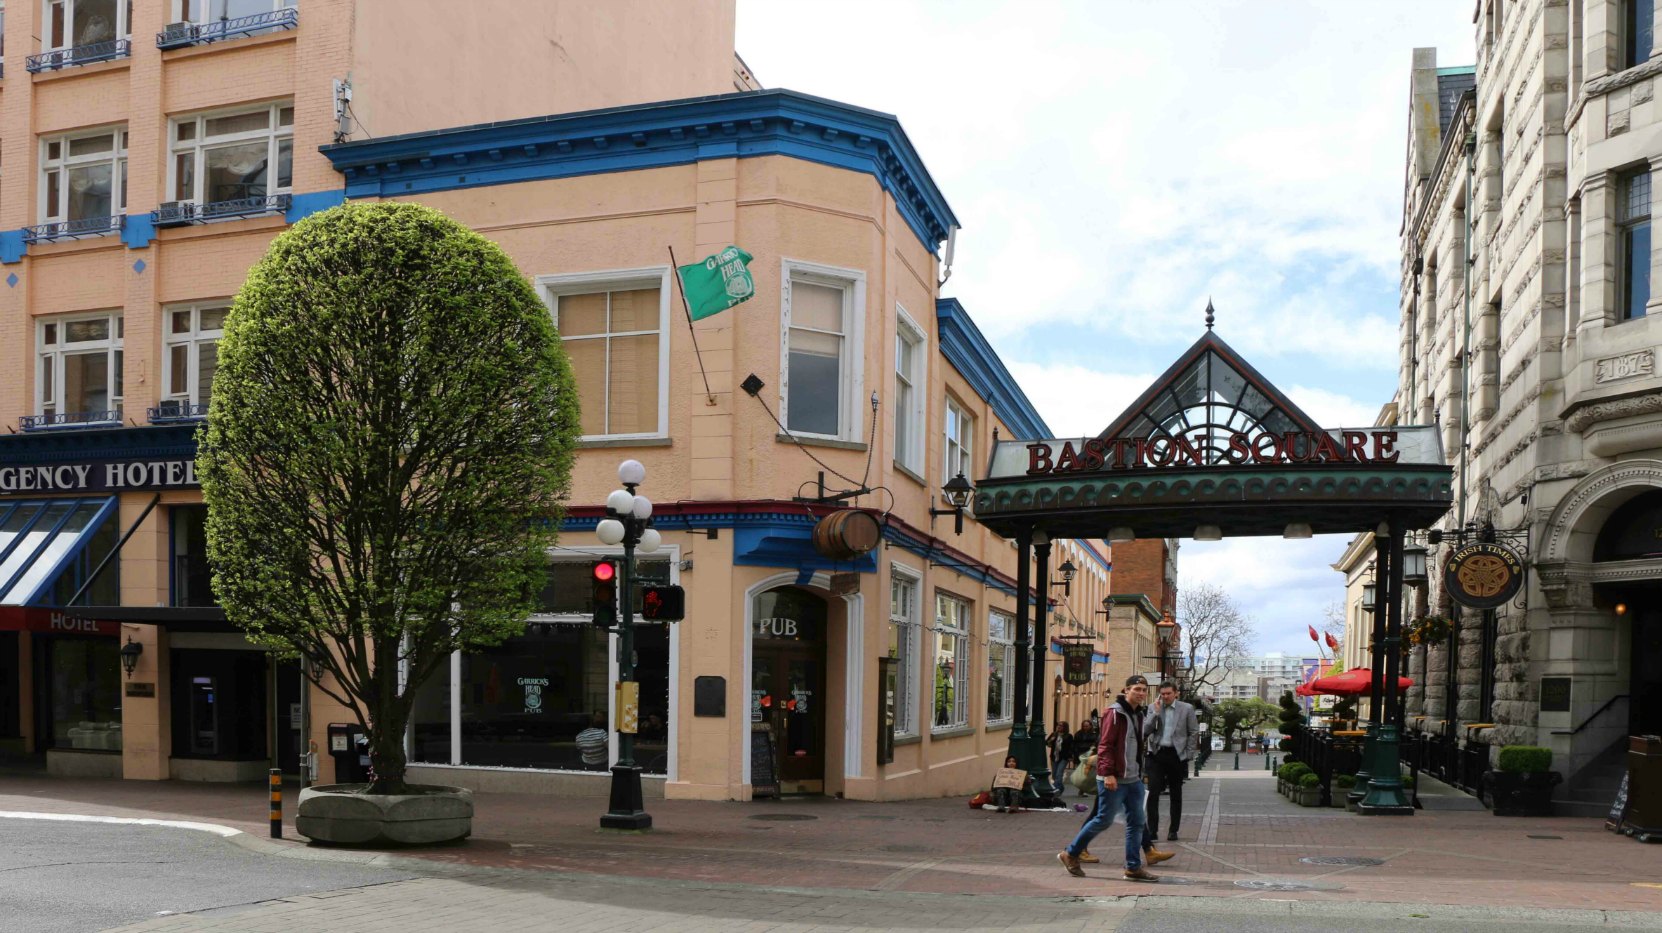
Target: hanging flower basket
(1426, 630)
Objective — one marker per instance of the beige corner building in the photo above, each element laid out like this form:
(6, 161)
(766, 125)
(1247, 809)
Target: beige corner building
(1530, 333)
(153, 150)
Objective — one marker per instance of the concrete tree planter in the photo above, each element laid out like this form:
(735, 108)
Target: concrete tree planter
(342, 814)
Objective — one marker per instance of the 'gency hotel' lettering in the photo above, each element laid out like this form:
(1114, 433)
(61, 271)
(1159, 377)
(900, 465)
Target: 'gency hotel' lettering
(99, 477)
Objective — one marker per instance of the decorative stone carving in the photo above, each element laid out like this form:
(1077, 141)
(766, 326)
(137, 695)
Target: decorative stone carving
(1595, 486)
(1635, 365)
(1646, 404)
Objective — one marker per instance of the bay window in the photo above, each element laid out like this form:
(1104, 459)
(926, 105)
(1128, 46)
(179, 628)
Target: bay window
(232, 162)
(83, 181)
(78, 369)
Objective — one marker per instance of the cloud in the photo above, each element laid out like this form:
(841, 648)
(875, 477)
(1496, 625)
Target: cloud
(1282, 585)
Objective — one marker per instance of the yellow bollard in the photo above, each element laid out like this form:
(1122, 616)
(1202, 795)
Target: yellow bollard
(276, 803)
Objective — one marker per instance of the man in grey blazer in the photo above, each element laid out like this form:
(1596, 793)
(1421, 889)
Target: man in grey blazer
(1173, 731)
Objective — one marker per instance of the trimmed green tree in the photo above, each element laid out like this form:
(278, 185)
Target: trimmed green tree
(1234, 716)
(1292, 721)
(387, 454)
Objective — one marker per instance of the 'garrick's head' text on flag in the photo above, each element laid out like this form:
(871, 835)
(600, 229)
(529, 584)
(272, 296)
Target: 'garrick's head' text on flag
(717, 283)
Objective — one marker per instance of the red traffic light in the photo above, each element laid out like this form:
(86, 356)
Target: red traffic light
(605, 571)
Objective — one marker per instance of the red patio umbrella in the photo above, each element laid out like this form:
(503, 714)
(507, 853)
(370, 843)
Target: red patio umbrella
(1303, 690)
(1352, 683)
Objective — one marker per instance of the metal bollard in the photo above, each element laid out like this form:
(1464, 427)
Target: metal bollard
(1237, 761)
(276, 803)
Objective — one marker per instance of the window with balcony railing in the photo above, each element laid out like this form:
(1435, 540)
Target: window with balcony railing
(83, 185)
(78, 371)
(230, 164)
(196, 22)
(192, 357)
(80, 32)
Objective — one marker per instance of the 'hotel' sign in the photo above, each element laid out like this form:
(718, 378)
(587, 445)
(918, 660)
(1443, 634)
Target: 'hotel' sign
(98, 476)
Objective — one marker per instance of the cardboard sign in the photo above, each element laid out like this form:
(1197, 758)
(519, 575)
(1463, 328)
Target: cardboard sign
(1013, 778)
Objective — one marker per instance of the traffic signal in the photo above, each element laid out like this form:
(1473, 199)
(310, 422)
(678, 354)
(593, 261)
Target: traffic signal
(603, 592)
(663, 604)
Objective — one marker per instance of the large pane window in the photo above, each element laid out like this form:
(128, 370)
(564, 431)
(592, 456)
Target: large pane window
(614, 338)
(79, 367)
(903, 638)
(192, 356)
(951, 662)
(528, 702)
(203, 12)
(76, 23)
(911, 388)
(84, 177)
(1633, 250)
(1638, 30)
(1001, 667)
(229, 158)
(83, 692)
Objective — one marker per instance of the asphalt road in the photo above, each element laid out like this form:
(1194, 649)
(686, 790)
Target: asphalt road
(58, 877)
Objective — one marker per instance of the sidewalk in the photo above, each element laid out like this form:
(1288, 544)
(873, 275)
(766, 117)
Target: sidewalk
(1240, 839)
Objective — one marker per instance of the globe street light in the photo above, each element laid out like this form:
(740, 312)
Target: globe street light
(628, 522)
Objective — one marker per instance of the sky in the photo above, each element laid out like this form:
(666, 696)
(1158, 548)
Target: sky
(1114, 164)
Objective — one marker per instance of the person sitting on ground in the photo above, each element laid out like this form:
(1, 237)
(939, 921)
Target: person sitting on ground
(592, 742)
(1008, 799)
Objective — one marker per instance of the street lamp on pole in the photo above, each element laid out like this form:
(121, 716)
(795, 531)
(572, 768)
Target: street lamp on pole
(628, 522)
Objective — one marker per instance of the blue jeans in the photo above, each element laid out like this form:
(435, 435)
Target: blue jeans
(1058, 768)
(1129, 797)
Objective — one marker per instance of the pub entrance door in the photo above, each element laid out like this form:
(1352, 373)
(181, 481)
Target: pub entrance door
(787, 687)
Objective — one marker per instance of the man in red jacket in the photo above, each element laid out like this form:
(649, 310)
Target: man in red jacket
(1119, 767)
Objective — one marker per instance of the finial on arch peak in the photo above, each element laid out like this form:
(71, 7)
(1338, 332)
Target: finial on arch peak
(1210, 314)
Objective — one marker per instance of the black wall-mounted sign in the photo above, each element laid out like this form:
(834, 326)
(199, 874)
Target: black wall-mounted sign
(1555, 694)
(709, 696)
(1076, 663)
(1483, 575)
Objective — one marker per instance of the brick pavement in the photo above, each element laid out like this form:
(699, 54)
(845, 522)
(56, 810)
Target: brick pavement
(1241, 840)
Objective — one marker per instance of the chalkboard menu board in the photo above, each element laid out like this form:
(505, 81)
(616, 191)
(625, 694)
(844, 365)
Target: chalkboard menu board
(764, 770)
(1618, 809)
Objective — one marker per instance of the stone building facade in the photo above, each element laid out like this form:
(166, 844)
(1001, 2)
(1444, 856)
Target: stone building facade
(1528, 333)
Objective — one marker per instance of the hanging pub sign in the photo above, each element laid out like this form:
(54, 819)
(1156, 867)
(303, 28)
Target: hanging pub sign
(1483, 575)
(1076, 663)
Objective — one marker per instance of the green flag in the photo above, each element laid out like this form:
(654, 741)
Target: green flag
(718, 283)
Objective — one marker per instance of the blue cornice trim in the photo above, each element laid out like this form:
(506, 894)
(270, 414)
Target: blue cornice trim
(139, 230)
(654, 135)
(964, 346)
(304, 205)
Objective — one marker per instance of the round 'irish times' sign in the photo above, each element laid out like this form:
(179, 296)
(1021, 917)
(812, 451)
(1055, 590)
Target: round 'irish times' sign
(1483, 575)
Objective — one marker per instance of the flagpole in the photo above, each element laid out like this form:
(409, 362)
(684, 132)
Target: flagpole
(675, 270)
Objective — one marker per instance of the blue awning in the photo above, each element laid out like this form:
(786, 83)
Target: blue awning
(38, 539)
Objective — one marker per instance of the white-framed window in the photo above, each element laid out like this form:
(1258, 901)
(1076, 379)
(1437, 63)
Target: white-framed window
(1001, 667)
(192, 357)
(911, 391)
(951, 662)
(74, 24)
(202, 12)
(821, 337)
(84, 175)
(960, 442)
(227, 156)
(79, 367)
(615, 326)
(904, 628)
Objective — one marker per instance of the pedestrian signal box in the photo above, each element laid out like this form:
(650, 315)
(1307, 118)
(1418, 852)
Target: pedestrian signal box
(663, 604)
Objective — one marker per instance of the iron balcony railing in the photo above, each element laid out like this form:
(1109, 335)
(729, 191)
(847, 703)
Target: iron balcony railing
(73, 229)
(181, 213)
(79, 55)
(173, 410)
(69, 419)
(181, 35)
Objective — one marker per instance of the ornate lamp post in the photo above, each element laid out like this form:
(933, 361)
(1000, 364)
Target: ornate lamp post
(628, 522)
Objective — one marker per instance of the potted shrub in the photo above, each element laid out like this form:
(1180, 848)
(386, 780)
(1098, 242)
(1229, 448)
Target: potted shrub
(1342, 784)
(1309, 789)
(1295, 777)
(1522, 782)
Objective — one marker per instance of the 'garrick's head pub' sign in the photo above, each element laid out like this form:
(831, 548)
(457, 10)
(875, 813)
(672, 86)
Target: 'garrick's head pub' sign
(1213, 443)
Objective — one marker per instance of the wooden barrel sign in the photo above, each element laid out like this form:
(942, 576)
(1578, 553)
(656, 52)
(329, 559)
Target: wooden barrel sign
(847, 534)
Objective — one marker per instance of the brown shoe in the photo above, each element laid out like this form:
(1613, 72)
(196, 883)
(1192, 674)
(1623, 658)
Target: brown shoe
(1155, 856)
(1071, 863)
(1088, 858)
(1140, 874)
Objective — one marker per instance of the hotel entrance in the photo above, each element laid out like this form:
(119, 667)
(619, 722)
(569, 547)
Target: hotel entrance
(787, 688)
